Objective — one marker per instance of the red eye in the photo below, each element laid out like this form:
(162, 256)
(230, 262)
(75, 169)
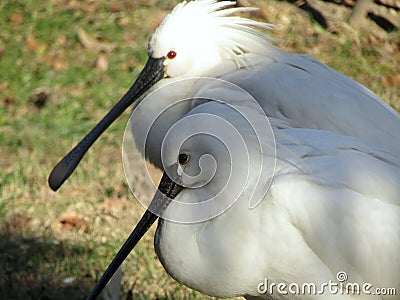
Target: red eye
(171, 54)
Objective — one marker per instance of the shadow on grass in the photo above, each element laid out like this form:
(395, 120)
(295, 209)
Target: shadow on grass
(30, 269)
(317, 16)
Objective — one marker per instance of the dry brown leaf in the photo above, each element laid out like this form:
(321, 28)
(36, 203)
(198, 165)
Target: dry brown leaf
(55, 60)
(90, 43)
(16, 18)
(59, 65)
(102, 62)
(31, 44)
(73, 221)
(114, 7)
(114, 205)
(31, 279)
(123, 21)
(391, 80)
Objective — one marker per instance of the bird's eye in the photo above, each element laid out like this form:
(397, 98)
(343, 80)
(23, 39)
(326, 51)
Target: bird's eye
(171, 54)
(183, 159)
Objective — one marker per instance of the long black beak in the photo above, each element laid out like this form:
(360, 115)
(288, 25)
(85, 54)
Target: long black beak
(167, 190)
(152, 72)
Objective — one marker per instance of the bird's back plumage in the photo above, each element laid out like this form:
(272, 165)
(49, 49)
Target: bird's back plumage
(308, 94)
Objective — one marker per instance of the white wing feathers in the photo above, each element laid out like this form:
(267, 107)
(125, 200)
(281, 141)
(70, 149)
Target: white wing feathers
(341, 161)
(308, 94)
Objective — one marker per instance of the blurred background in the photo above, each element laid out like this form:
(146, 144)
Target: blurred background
(63, 65)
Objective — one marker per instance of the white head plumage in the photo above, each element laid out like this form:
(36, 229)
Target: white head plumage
(198, 35)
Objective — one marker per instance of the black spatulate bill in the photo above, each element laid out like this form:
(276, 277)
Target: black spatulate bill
(151, 73)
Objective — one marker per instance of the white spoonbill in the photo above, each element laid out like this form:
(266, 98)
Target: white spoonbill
(339, 126)
(330, 217)
(203, 38)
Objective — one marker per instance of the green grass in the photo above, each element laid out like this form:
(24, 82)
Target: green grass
(36, 253)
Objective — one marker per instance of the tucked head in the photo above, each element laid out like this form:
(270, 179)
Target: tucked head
(194, 152)
(212, 152)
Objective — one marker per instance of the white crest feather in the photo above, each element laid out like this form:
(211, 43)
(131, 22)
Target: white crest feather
(210, 23)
